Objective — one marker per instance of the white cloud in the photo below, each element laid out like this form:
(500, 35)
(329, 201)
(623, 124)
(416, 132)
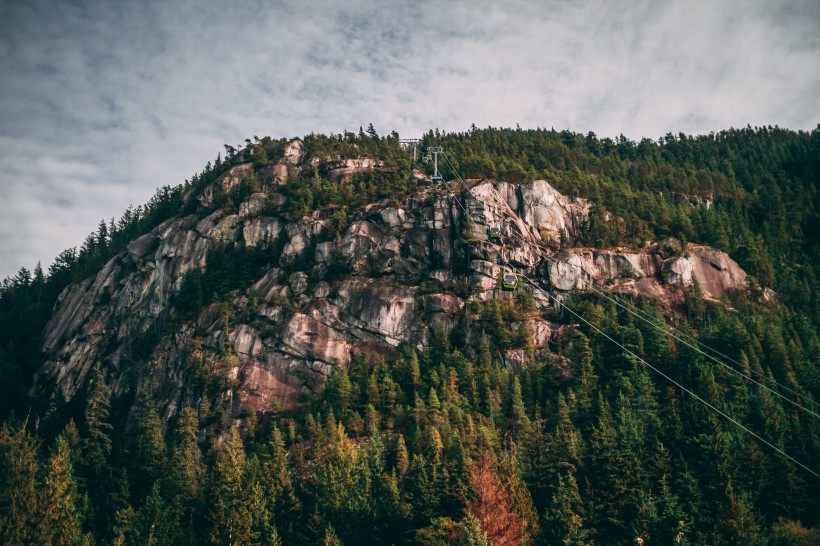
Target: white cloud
(103, 102)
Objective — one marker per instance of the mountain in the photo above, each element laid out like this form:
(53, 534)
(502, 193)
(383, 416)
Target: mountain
(399, 271)
(553, 331)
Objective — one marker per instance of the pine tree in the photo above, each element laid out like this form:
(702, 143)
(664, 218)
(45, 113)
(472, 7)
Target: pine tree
(342, 485)
(186, 473)
(19, 502)
(146, 447)
(492, 505)
(60, 521)
(606, 473)
(402, 456)
(229, 514)
(152, 524)
(415, 370)
(564, 520)
(518, 414)
(421, 486)
(739, 522)
(330, 538)
(471, 533)
(96, 452)
(586, 383)
(343, 392)
(278, 481)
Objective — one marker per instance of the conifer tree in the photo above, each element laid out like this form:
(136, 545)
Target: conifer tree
(96, 451)
(492, 505)
(402, 456)
(471, 533)
(330, 538)
(230, 515)
(186, 473)
(342, 485)
(19, 502)
(60, 520)
(278, 481)
(146, 447)
(564, 520)
(153, 523)
(97, 441)
(518, 415)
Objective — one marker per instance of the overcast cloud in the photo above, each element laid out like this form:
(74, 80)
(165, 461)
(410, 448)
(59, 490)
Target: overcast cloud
(102, 102)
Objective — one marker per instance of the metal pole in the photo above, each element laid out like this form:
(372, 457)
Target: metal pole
(435, 150)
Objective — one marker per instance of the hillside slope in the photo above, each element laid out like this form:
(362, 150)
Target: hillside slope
(585, 341)
(395, 273)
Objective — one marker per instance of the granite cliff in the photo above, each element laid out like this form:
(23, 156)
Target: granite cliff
(395, 272)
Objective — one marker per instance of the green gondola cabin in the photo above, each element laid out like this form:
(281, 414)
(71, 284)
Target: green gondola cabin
(495, 233)
(509, 282)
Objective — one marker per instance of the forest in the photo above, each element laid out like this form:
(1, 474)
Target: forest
(584, 445)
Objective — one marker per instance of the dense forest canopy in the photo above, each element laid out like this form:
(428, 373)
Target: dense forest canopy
(584, 445)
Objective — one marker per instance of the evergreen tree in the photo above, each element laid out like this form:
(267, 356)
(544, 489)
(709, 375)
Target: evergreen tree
(471, 533)
(19, 502)
(278, 482)
(96, 454)
(402, 456)
(59, 521)
(146, 448)
(492, 506)
(152, 523)
(186, 474)
(230, 513)
(564, 518)
(518, 415)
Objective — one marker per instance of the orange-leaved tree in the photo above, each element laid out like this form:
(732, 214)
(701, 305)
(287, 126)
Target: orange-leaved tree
(493, 505)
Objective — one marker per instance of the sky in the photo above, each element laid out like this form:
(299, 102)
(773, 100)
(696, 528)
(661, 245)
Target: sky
(101, 102)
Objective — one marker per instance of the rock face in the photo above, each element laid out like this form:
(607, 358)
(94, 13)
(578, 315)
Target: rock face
(395, 275)
(342, 169)
(551, 213)
(646, 273)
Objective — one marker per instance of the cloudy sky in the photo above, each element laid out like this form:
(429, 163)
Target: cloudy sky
(102, 102)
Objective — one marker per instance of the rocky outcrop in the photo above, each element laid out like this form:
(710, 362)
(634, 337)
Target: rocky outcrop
(397, 274)
(257, 230)
(122, 304)
(369, 249)
(294, 152)
(340, 170)
(647, 273)
(550, 213)
(300, 236)
(715, 272)
(228, 181)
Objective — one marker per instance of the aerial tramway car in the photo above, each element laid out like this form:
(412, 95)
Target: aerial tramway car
(495, 233)
(509, 282)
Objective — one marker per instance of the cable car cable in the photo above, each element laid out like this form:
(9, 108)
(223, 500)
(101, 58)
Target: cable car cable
(673, 332)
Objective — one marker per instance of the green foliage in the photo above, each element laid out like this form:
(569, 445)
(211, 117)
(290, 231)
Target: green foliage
(761, 185)
(582, 445)
(59, 521)
(19, 503)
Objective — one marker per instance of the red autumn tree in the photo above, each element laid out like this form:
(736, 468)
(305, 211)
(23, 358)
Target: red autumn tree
(492, 505)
